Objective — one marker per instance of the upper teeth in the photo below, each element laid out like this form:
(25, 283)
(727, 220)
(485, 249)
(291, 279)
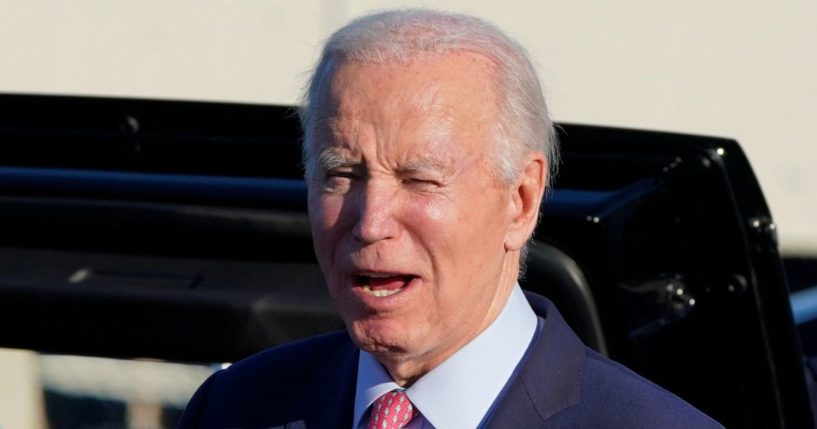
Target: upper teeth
(381, 292)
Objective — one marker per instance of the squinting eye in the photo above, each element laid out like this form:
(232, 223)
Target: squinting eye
(420, 182)
(340, 174)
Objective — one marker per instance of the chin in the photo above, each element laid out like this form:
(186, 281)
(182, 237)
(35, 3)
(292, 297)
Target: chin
(380, 337)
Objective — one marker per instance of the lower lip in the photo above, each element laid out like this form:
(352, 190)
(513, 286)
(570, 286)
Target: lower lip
(380, 302)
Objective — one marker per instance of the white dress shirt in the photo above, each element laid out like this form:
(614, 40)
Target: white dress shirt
(460, 392)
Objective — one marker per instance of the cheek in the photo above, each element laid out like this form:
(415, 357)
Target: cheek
(324, 219)
(433, 218)
(325, 213)
(467, 231)
(435, 212)
(449, 217)
(435, 224)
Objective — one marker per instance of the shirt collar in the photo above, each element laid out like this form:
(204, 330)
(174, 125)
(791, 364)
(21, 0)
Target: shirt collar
(459, 392)
(372, 382)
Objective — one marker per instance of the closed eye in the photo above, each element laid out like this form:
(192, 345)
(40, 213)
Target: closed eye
(420, 182)
(423, 174)
(341, 174)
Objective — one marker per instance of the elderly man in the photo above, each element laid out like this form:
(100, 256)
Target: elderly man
(427, 151)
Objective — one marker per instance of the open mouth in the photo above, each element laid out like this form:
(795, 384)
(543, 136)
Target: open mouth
(382, 285)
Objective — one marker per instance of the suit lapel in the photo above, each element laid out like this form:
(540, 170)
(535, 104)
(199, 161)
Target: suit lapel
(550, 378)
(332, 403)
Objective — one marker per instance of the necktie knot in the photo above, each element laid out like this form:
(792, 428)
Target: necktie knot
(392, 410)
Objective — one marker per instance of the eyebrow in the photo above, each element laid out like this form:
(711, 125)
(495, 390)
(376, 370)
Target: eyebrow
(330, 159)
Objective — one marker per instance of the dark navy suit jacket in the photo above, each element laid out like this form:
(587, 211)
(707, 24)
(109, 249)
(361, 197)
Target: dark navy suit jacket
(562, 384)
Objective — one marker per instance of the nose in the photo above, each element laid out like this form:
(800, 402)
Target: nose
(376, 208)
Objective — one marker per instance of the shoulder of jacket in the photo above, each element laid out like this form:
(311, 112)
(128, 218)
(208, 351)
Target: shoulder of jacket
(306, 353)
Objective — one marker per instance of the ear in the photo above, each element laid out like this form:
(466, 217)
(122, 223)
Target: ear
(526, 198)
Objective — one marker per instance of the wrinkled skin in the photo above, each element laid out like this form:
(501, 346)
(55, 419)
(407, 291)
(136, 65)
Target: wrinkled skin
(416, 234)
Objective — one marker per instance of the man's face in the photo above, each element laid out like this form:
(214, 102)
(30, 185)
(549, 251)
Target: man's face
(409, 217)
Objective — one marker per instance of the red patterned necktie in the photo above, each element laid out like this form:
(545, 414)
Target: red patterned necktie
(392, 410)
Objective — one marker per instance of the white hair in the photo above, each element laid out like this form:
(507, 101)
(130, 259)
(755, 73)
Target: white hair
(395, 36)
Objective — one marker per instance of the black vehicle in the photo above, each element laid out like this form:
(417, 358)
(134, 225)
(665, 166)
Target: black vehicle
(178, 231)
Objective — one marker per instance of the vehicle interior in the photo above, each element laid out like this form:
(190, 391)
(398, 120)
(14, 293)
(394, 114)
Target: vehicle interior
(177, 232)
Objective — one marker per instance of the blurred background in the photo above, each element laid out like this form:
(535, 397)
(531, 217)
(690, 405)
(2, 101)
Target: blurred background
(744, 70)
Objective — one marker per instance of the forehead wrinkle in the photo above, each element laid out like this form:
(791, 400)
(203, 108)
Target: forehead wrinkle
(333, 132)
(386, 118)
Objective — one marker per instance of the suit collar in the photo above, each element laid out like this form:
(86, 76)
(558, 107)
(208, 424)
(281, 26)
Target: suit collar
(333, 399)
(550, 379)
